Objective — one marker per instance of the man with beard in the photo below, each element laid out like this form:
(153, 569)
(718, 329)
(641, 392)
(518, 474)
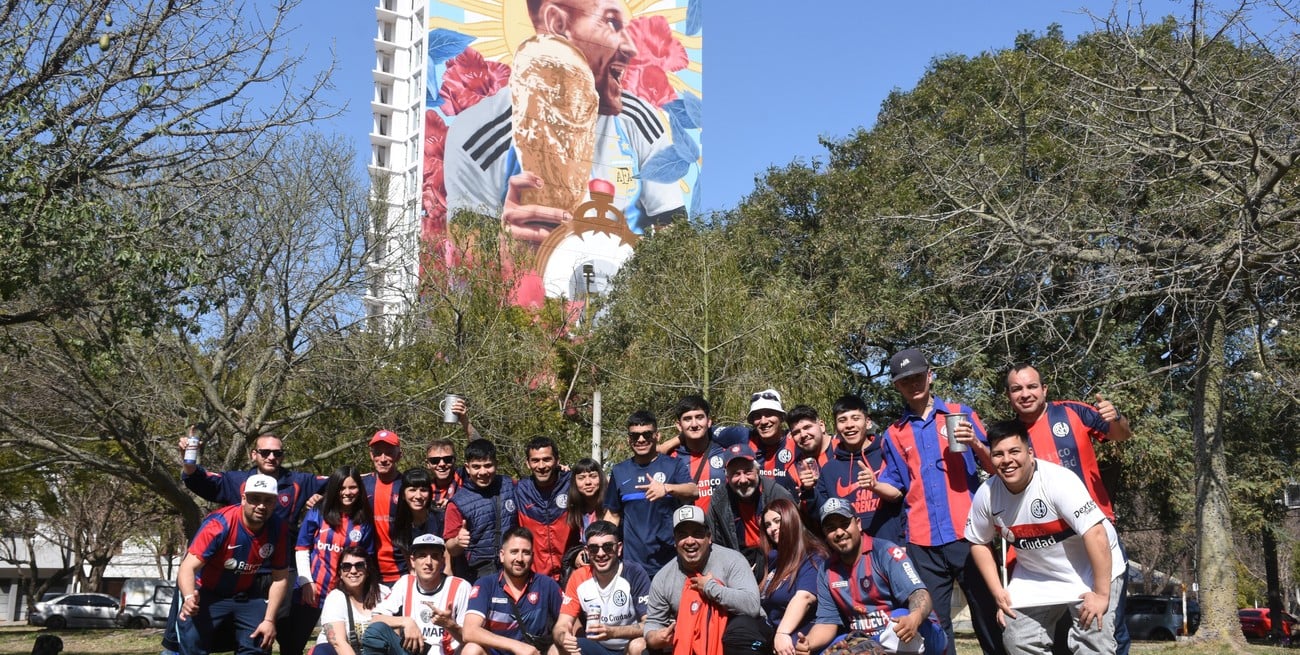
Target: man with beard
(844, 474)
(643, 492)
(384, 488)
(425, 608)
(480, 514)
(705, 600)
(734, 519)
(808, 431)
(935, 483)
(216, 583)
(1062, 432)
(1068, 561)
(481, 167)
(609, 594)
(541, 500)
(512, 611)
(870, 587)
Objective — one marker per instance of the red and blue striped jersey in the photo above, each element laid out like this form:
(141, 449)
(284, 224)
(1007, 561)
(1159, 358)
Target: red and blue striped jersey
(861, 596)
(937, 484)
(326, 545)
(384, 497)
(1063, 435)
(232, 554)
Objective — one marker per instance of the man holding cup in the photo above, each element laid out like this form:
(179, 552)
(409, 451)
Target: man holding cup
(935, 483)
(610, 593)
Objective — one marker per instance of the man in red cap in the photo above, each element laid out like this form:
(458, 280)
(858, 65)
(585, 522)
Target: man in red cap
(384, 488)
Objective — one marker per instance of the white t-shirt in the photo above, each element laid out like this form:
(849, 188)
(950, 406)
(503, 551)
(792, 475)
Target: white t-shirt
(1045, 523)
(453, 595)
(335, 610)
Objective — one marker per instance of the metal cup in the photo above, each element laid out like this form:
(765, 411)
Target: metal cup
(951, 421)
(449, 416)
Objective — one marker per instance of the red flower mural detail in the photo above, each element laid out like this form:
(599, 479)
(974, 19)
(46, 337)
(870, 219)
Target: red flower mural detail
(469, 79)
(657, 53)
(655, 45)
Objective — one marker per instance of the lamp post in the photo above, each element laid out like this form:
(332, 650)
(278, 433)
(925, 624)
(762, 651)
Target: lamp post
(588, 274)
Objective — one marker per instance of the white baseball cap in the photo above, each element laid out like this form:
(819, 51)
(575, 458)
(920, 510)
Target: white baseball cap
(261, 484)
(766, 399)
(688, 514)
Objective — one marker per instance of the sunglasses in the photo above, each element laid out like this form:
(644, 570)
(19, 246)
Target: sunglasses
(344, 567)
(765, 395)
(608, 547)
(434, 461)
(270, 452)
(641, 436)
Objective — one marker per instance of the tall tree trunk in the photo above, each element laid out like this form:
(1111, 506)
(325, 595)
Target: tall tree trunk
(1216, 563)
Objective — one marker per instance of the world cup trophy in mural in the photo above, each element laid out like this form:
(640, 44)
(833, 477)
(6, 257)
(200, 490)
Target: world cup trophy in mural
(597, 95)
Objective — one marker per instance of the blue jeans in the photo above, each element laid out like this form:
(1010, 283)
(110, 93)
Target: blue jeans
(380, 639)
(221, 617)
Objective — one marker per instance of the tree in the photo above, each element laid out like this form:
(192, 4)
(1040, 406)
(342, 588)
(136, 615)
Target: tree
(98, 96)
(1126, 204)
(266, 337)
(684, 318)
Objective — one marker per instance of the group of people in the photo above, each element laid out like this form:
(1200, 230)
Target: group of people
(776, 536)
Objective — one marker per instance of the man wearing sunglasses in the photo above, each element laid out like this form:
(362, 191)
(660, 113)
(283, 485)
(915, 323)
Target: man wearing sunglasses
(609, 595)
(426, 610)
(643, 491)
(294, 488)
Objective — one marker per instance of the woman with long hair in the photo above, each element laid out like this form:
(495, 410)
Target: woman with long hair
(585, 506)
(789, 590)
(341, 520)
(346, 612)
(414, 514)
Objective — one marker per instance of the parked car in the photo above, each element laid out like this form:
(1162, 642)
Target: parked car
(1256, 623)
(1160, 618)
(75, 611)
(145, 602)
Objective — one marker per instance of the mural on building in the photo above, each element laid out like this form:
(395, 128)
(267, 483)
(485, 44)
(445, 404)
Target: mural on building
(577, 122)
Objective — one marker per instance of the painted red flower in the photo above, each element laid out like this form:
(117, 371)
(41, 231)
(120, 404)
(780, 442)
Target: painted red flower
(649, 83)
(655, 45)
(469, 79)
(433, 196)
(657, 53)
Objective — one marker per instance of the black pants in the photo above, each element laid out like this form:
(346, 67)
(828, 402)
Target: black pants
(747, 634)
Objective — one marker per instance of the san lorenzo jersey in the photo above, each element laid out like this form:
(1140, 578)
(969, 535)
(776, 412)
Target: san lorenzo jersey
(623, 602)
(1045, 523)
(537, 606)
(937, 484)
(647, 527)
(326, 545)
(384, 498)
(862, 596)
(706, 469)
(232, 554)
(1064, 435)
(408, 599)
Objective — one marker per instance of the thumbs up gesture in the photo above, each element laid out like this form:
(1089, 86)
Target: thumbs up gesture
(1106, 409)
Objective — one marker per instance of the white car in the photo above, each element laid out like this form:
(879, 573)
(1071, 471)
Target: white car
(75, 611)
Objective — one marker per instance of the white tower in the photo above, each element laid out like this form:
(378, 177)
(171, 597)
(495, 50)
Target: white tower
(396, 156)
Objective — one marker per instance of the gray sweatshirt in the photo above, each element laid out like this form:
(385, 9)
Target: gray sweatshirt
(738, 592)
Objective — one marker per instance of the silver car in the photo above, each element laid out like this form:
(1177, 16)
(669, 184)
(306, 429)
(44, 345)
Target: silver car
(75, 611)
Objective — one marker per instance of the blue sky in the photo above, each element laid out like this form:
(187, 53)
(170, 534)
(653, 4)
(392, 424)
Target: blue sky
(777, 74)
